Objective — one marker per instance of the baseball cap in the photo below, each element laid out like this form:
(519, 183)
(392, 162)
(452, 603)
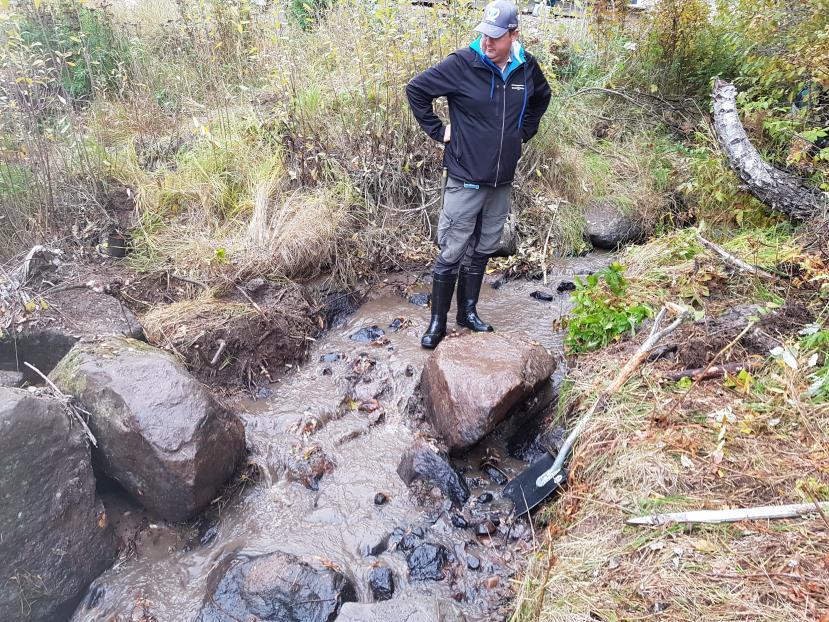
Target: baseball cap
(499, 17)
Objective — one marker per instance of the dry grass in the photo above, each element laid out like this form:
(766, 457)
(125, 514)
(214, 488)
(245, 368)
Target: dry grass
(740, 442)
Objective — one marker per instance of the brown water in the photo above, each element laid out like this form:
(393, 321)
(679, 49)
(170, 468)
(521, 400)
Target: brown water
(165, 576)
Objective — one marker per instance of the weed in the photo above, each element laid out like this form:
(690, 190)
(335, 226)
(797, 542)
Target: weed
(601, 313)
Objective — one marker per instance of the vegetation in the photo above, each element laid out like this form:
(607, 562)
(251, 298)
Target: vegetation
(601, 314)
(234, 139)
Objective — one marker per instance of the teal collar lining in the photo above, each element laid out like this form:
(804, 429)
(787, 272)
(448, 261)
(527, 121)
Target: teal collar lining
(517, 58)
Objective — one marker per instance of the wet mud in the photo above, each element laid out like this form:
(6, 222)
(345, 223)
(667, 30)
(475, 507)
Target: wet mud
(325, 442)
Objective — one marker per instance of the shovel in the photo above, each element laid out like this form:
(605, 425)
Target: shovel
(544, 476)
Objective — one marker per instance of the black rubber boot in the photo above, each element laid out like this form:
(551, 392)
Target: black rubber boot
(443, 286)
(469, 288)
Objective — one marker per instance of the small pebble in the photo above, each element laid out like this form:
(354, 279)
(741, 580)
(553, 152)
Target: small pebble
(380, 498)
(421, 300)
(472, 562)
(485, 497)
(459, 521)
(495, 475)
(492, 582)
(436, 493)
(566, 286)
(485, 528)
(542, 296)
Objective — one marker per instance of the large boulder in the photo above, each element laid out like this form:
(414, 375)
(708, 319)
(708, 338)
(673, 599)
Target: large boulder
(609, 225)
(160, 433)
(65, 317)
(472, 383)
(408, 610)
(276, 587)
(54, 538)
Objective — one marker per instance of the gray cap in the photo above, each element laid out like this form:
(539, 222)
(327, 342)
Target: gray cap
(499, 17)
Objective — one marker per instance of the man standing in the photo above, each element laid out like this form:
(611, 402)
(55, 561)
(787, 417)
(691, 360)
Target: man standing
(497, 95)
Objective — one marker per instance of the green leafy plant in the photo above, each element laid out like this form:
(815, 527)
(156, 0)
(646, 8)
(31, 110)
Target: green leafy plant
(602, 313)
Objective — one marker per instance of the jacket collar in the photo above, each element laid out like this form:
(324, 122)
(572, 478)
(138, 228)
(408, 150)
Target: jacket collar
(517, 58)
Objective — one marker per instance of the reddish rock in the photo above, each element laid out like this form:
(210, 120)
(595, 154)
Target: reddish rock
(472, 383)
(161, 434)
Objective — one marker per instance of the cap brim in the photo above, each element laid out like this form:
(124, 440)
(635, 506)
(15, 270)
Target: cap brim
(490, 31)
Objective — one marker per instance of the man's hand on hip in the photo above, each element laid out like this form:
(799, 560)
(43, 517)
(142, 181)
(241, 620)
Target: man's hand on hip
(447, 133)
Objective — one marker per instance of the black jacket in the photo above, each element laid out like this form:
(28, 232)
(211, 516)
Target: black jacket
(490, 115)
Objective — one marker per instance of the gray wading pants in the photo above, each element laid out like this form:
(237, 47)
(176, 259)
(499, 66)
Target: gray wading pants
(470, 225)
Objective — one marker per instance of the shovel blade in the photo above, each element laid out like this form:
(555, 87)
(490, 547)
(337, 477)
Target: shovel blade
(523, 490)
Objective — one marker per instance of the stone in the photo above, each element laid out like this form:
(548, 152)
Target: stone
(368, 334)
(423, 462)
(542, 296)
(495, 475)
(472, 383)
(380, 498)
(472, 562)
(566, 286)
(426, 562)
(485, 497)
(399, 609)
(420, 300)
(381, 583)
(71, 314)
(277, 587)
(459, 521)
(161, 434)
(11, 379)
(609, 225)
(55, 536)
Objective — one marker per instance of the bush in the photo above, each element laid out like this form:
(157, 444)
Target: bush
(602, 314)
(79, 47)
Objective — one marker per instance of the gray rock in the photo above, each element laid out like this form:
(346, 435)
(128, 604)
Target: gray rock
(160, 433)
(11, 378)
(472, 383)
(423, 462)
(402, 610)
(426, 562)
(55, 538)
(610, 226)
(71, 315)
(276, 587)
(381, 583)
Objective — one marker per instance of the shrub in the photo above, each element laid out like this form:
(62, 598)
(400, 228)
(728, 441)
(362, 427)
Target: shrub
(602, 313)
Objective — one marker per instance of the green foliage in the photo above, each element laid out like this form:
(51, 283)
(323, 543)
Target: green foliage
(308, 12)
(78, 45)
(602, 313)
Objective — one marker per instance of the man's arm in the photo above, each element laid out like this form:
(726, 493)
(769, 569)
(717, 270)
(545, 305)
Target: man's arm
(537, 104)
(424, 88)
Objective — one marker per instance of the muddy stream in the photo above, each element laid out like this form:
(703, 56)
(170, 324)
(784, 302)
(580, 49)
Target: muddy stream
(311, 412)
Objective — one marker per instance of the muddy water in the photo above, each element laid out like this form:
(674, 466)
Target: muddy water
(164, 576)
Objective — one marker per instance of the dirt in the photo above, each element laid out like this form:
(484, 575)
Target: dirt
(705, 339)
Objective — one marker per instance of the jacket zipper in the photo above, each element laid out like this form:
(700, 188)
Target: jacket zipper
(503, 123)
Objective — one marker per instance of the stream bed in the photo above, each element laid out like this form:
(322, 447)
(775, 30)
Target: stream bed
(322, 458)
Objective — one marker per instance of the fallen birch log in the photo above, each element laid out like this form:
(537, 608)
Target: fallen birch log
(777, 188)
(768, 512)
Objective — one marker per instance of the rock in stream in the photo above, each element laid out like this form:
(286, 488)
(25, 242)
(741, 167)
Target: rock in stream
(55, 537)
(277, 587)
(161, 434)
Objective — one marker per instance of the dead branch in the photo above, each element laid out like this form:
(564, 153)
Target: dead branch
(736, 261)
(766, 512)
(67, 401)
(708, 373)
(777, 188)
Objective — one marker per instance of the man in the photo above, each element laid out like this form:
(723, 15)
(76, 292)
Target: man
(497, 95)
